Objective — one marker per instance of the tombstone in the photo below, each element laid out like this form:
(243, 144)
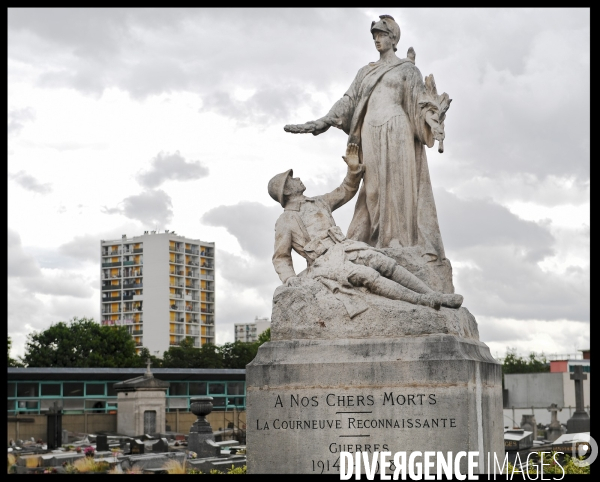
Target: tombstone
(555, 429)
(142, 404)
(161, 446)
(574, 444)
(201, 439)
(137, 447)
(125, 445)
(580, 421)
(65, 436)
(101, 443)
(517, 439)
(529, 424)
(53, 427)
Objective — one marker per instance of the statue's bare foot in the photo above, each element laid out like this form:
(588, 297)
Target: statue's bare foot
(452, 300)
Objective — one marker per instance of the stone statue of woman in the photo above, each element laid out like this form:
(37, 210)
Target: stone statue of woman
(391, 113)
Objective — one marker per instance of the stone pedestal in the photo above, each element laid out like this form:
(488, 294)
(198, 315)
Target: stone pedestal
(579, 422)
(529, 424)
(308, 400)
(201, 439)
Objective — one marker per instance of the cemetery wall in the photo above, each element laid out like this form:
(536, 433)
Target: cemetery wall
(107, 422)
(539, 390)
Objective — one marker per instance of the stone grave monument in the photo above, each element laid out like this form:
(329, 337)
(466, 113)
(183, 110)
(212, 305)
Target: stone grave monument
(529, 424)
(142, 405)
(555, 429)
(371, 349)
(580, 421)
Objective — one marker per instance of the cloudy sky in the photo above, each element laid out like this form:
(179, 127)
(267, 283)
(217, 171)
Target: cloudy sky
(121, 121)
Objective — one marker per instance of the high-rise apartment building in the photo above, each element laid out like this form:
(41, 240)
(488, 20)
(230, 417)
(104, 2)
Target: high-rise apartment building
(161, 286)
(249, 332)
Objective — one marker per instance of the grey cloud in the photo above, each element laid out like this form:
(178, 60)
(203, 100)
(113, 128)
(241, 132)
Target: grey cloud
(252, 223)
(19, 264)
(516, 108)
(505, 284)
(167, 166)
(17, 119)
(58, 282)
(83, 248)
(27, 181)
(481, 222)
(66, 284)
(550, 191)
(92, 50)
(258, 274)
(152, 207)
(270, 103)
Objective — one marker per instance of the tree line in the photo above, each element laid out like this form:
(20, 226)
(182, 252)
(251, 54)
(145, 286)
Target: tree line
(84, 343)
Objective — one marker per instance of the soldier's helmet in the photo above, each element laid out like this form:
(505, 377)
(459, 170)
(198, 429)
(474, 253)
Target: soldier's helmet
(387, 24)
(277, 184)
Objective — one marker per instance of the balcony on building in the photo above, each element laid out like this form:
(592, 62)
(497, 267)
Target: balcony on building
(132, 272)
(132, 284)
(110, 264)
(207, 252)
(176, 247)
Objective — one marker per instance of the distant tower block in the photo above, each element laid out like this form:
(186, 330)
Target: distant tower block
(161, 286)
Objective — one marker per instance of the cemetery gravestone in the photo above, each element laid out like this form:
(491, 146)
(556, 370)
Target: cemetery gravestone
(101, 443)
(370, 348)
(580, 421)
(515, 440)
(137, 447)
(528, 423)
(161, 446)
(555, 429)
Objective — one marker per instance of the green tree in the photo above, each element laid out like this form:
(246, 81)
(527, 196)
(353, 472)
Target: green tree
(81, 343)
(144, 355)
(534, 363)
(238, 354)
(181, 356)
(209, 356)
(264, 337)
(12, 362)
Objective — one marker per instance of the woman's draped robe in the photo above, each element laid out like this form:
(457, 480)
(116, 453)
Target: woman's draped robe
(395, 206)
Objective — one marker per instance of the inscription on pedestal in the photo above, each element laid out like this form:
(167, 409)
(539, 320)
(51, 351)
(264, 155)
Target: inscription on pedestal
(332, 422)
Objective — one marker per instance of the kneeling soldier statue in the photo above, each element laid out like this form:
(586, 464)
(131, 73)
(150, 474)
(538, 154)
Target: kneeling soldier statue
(341, 264)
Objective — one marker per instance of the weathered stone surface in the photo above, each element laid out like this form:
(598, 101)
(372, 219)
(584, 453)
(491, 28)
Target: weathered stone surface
(433, 392)
(311, 311)
(435, 274)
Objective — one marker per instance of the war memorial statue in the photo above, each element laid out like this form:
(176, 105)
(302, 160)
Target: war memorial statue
(370, 347)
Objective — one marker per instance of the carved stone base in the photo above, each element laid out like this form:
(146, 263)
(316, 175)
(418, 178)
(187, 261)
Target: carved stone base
(311, 311)
(308, 400)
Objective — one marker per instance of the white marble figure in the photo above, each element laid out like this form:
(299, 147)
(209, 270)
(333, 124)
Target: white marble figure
(391, 113)
(341, 264)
